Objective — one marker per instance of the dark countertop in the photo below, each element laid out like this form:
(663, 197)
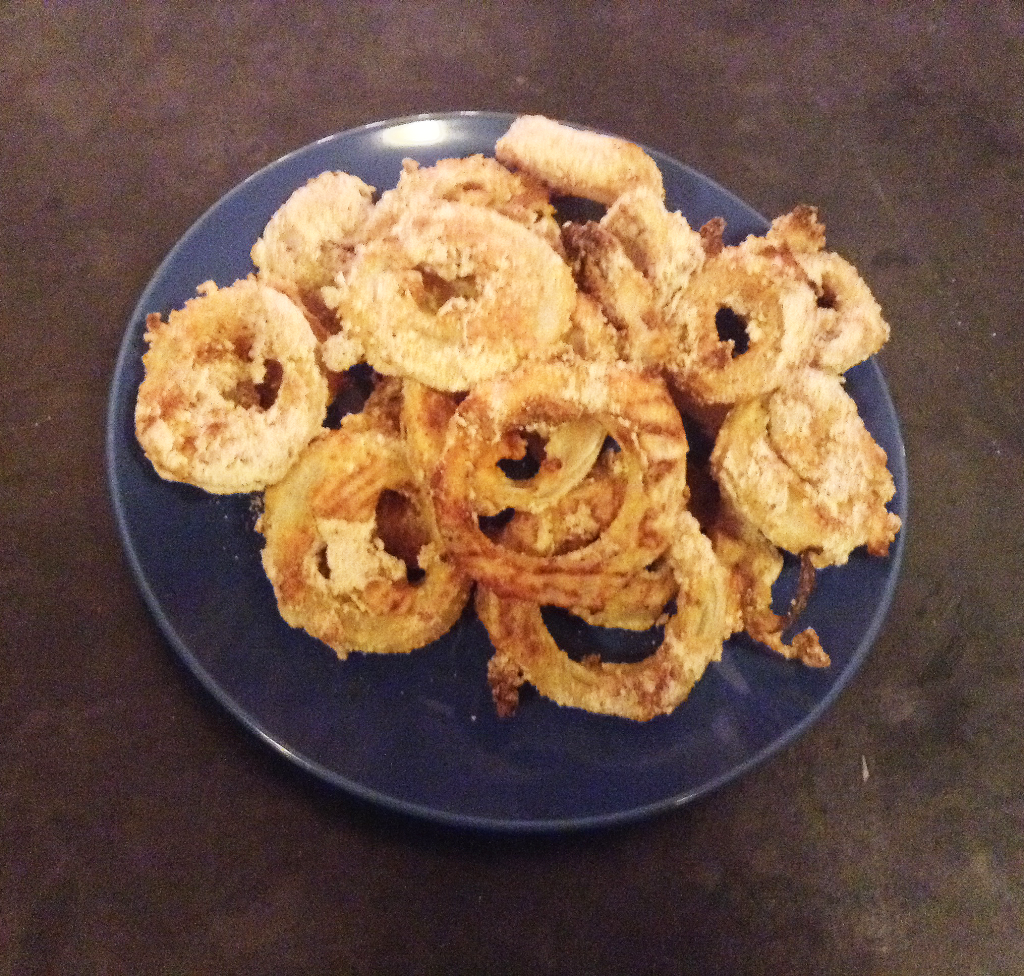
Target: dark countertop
(144, 831)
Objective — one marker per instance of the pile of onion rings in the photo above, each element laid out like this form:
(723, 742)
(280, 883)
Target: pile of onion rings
(623, 419)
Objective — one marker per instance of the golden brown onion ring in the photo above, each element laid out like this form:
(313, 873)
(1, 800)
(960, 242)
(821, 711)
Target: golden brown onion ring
(454, 294)
(634, 409)
(800, 465)
(660, 243)
(576, 162)
(849, 324)
(604, 272)
(233, 390)
(769, 297)
(526, 652)
(310, 238)
(477, 180)
(325, 553)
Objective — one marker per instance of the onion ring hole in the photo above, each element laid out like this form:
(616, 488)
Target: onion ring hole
(535, 454)
(581, 640)
(401, 529)
(436, 290)
(828, 297)
(258, 396)
(732, 327)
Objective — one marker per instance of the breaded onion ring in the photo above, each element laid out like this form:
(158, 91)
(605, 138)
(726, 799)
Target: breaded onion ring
(604, 272)
(526, 652)
(660, 243)
(769, 304)
(477, 180)
(310, 238)
(633, 408)
(801, 466)
(232, 392)
(849, 326)
(575, 162)
(441, 297)
(326, 554)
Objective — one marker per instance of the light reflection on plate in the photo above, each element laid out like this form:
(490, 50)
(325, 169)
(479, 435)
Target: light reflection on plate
(418, 733)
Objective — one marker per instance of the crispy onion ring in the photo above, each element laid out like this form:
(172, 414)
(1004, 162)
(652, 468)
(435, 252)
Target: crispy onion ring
(441, 298)
(477, 180)
(660, 243)
(325, 556)
(800, 465)
(232, 392)
(576, 519)
(526, 652)
(850, 325)
(604, 271)
(312, 235)
(769, 298)
(575, 162)
(634, 409)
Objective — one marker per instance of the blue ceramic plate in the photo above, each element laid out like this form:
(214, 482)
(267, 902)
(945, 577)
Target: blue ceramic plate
(418, 733)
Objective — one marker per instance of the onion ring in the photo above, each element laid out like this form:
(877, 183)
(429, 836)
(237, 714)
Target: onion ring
(312, 235)
(604, 271)
(441, 297)
(774, 305)
(477, 180)
(526, 652)
(325, 557)
(800, 465)
(634, 409)
(233, 391)
(660, 243)
(849, 326)
(576, 162)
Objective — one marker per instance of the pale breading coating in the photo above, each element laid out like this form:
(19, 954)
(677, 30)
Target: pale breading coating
(326, 557)
(454, 294)
(800, 465)
(233, 389)
(310, 238)
(574, 162)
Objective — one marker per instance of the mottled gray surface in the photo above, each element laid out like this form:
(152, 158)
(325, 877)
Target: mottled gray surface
(143, 832)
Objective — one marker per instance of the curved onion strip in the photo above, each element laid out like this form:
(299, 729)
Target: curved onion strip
(635, 409)
(327, 562)
(526, 652)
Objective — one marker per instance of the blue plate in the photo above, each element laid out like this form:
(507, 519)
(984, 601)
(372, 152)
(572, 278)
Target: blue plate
(418, 733)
